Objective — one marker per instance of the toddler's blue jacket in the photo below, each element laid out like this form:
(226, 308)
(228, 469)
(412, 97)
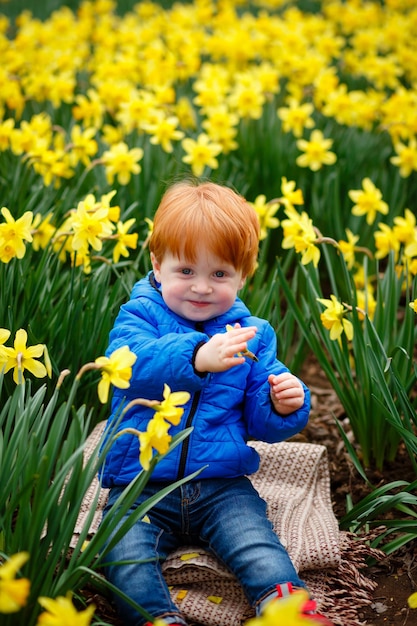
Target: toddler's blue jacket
(226, 409)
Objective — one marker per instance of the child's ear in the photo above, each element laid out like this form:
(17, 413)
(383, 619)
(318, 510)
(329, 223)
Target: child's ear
(156, 267)
(242, 282)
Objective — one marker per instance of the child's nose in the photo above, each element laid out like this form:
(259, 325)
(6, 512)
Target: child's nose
(201, 285)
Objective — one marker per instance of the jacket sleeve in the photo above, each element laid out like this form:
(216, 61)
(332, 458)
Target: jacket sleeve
(162, 356)
(263, 422)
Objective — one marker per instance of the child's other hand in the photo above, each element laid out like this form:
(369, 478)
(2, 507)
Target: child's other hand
(220, 353)
(287, 393)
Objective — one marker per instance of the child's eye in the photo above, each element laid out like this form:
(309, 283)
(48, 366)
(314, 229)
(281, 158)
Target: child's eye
(186, 271)
(219, 274)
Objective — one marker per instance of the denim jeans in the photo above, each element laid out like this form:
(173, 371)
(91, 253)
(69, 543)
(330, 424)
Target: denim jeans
(224, 516)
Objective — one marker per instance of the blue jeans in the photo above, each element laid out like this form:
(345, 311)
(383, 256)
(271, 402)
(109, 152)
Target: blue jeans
(226, 517)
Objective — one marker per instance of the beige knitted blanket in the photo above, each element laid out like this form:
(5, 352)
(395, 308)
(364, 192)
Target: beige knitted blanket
(294, 480)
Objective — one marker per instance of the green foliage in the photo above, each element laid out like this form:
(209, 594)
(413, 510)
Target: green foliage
(45, 479)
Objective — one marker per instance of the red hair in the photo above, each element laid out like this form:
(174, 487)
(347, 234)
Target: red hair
(191, 214)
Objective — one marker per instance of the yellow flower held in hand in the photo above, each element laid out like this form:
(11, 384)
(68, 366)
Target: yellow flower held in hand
(116, 370)
(20, 358)
(62, 612)
(13, 591)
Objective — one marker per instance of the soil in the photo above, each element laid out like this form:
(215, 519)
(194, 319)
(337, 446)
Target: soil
(395, 575)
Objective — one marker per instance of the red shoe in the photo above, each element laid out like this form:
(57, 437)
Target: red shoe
(309, 608)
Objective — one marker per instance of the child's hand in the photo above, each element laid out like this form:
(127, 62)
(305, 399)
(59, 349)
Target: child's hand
(220, 353)
(287, 393)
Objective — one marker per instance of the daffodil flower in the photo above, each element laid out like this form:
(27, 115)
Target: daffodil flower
(333, 318)
(20, 358)
(288, 611)
(156, 437)
(13, 591)
(266, 214)
(13, 234)
(413, 305)
(124, 239)
(4, 335)
(169, 408)
(316, 151)
(116, 370)
(246, 352)
(62, 612)
(368, 201)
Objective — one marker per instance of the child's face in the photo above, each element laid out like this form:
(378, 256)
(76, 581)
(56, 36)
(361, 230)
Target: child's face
(197, 291)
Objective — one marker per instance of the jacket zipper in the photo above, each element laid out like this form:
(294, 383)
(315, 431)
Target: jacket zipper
(186, 443)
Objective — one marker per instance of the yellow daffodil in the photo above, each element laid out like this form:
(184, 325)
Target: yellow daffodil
(62, 612)
(13, 234)
(124, 239)
(201, 153)
(405, 227)
(296, 117)
(266, 214)
(156, 437)
(90, 224)
(299, 234)
(385, 241)
(333, 318)
(368, 201)
(4, 335)
(20, 358)
(116, 370)
(290, 195)
(247, 99)
(285, 611)
(164, 131)
(121, 162)
(347, 248)
(83, 146)
(413, 305)
(247, 353)
(43, 231)
(316, 151)
(14, 591)
(406, 158)
(366, 303)
(169, 408)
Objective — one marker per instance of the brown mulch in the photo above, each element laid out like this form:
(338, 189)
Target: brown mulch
(395, 575)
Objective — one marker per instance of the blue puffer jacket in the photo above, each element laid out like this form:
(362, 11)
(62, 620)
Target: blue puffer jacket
(225, 409)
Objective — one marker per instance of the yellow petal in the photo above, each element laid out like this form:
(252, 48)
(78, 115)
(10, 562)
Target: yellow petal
(215, 599)
(189, 555)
